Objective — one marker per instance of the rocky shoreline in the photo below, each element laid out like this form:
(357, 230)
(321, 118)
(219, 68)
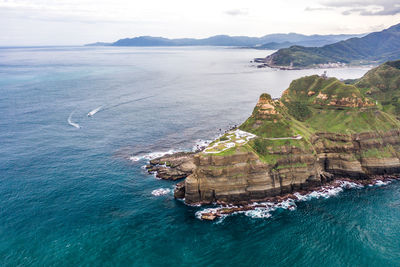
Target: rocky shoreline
(287, 201)
(180, 165)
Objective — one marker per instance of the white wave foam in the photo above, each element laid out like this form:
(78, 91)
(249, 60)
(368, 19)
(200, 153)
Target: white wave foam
(70, 122)
(349, 185)
(324, 193)
(200, 144)
(328, 191)
(258, 213)
(286, 204)
(161, 192)
(380, 183)
(265, 209)
(151, 156)
(207, 210)
(94, 111)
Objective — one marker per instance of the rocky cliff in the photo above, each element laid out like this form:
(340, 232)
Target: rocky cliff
(319, 130)
(244, 176)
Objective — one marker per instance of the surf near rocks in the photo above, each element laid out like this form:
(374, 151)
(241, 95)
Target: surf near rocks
(172, 167)
(264, 208)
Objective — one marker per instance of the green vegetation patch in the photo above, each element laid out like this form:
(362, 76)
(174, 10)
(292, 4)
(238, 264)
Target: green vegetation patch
(339, 89)
(224, 138)
(268, 128)
(384, 152)
(352, 121)
(265, 148)
(383, 84)
(299, 56)
(299, 110)
(265, 96)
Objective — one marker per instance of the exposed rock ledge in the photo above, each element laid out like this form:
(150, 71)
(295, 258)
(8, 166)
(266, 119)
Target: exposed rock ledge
(172, 167)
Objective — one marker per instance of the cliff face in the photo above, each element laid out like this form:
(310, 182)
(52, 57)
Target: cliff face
(244, 176)
(359, 155)
(319, 130)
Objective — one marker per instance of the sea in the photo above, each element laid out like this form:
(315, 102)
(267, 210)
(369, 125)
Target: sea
(73, 190)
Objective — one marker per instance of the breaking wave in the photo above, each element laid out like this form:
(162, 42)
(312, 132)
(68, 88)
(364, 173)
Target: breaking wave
(200, 144)
(151, 155)
(161, 192)
(380, 183)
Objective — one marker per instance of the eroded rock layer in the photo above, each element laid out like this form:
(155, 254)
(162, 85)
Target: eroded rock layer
(243, 176)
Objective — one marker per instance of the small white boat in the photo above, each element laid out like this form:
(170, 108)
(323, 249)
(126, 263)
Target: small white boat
(91, 113)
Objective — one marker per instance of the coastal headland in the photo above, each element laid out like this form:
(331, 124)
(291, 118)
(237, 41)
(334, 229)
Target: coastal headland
(321, 132)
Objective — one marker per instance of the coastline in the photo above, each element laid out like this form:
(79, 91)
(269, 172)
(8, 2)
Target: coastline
(267, 63)
(265, 206)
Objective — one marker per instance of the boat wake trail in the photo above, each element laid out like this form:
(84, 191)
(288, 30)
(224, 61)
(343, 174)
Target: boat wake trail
(91, 113)
(70, 122)
(94, 111)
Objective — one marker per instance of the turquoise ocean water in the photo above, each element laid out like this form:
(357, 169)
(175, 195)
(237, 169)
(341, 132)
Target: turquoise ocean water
(71, 196)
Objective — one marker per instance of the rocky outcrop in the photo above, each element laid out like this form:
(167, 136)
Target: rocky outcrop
(244, 177)
(179, 191)
(172, 167)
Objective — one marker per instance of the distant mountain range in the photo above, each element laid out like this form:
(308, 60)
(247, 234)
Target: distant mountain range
(375, 47)
(270, 41)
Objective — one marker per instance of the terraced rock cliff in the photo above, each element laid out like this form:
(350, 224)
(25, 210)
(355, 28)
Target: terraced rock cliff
(319, 130)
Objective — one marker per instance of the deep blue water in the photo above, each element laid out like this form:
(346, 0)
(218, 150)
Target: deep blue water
(72, 197)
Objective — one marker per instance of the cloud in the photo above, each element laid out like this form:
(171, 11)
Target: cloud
(361, 7)
(318, 8)
(237, 12)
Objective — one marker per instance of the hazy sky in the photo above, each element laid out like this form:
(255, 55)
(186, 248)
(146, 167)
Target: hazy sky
(69, 22)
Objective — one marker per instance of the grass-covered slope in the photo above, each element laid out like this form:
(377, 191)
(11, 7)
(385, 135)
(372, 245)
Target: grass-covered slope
(333, 106)
(377, 47)
(268, 120)
(318, 104)
(315, 104)
(383, 84)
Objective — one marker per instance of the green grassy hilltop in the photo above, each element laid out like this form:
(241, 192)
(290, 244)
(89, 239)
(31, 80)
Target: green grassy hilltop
(383, 84)
(315, 104)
